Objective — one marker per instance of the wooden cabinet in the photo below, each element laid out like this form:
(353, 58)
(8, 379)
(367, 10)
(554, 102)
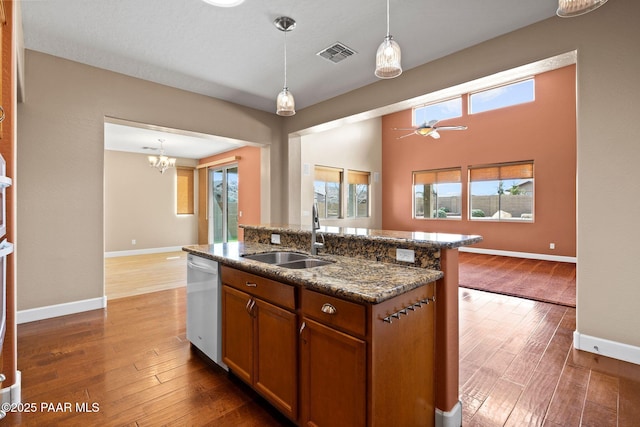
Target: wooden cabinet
(358, 364)
(259, 338)
(333, 377)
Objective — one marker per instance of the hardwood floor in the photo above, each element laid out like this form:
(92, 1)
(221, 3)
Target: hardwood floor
(133, 361)
(140, 274)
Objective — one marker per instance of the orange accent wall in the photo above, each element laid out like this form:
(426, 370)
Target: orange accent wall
(248, 183)
(543, 131)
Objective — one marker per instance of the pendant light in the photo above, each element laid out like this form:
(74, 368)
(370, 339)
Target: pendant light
(285, 104)
(571, 8)
(388, 56)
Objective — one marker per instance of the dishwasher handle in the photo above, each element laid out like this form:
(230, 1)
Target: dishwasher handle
(202, 268)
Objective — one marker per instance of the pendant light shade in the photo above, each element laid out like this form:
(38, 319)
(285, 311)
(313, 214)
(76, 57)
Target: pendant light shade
(388, 56)
(285, 104)
(571, 8)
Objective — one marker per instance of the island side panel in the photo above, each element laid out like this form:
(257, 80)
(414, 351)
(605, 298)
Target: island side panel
(447, 335)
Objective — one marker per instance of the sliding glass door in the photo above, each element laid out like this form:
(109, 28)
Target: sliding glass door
(223, 204)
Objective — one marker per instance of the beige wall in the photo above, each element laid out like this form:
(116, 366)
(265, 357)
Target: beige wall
(608, 132)
(355, 146)
(140, 205)
(60, 150)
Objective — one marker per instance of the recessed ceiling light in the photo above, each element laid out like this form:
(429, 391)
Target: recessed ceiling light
(224, 3)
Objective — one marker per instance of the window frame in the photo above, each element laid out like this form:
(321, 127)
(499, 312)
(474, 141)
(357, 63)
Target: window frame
(425, 176)
(507, 171)
(358, 178)
(328, 173)
(442, 101)
(470, 95)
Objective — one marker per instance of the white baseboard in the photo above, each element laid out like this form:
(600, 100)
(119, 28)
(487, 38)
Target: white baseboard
(544, 257)
(13, 393)
(47, 312)
(143, 251)
(613, 349)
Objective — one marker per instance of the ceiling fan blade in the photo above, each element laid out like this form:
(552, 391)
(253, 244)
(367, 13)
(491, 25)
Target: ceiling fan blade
(431, 124)
(404, 128)
(435, 134)
(404, 136)
(452, 128)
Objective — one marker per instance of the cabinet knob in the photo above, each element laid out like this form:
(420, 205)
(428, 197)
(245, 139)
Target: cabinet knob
(2, 378)
(329, 309)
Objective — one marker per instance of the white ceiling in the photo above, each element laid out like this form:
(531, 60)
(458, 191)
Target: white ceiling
(236, 54)
(120, 135)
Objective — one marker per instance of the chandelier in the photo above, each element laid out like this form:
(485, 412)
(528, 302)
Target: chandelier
(571, 8)
(161, 162)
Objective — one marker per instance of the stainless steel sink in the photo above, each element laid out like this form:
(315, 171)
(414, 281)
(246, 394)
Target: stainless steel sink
(292, 260)
(305, 263)
(277, 257)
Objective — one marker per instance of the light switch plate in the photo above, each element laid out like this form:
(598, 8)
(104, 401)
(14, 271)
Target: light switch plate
(405, 255)
(275, 239)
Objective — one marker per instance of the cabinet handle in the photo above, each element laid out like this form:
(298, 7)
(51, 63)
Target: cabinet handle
(249, 307)
(251, 285)
(2, 378)
(1, 114)
(304, 325)
(329, 309)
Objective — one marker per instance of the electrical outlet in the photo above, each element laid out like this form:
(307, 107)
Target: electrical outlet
(405, 255)
(552, 245)
(133, 241)
(275, 239)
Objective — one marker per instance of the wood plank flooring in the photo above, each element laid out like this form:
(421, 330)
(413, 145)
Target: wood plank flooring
(132, 360)
(140, 274)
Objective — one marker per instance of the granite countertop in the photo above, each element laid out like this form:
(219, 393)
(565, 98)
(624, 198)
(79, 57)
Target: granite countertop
(349, 278)
(415, 238)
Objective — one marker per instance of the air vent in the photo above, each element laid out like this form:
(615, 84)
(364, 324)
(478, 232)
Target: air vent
(336, 53)
(150, 148)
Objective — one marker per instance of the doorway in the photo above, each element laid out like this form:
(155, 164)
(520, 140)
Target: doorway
(223, 204)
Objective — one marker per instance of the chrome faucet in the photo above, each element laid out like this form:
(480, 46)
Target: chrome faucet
(315, 225)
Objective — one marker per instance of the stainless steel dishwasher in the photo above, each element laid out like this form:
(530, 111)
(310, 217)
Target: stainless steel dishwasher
(204, 307)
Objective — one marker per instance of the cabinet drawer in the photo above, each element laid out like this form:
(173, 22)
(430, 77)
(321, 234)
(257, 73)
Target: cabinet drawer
(334, 311)
(269, 290)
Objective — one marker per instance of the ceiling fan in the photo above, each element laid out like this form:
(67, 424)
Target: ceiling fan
(429, 129)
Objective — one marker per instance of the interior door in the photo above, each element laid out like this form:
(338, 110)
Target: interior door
(223, 204)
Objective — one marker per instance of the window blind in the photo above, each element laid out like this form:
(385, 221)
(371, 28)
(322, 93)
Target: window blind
(357, 177)
(327, 174)
(520, 170)
(436, 176)
(184, 193)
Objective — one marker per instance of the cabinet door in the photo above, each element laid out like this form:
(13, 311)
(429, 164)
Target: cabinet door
(333, 377)
(276, 357)
(237, 333)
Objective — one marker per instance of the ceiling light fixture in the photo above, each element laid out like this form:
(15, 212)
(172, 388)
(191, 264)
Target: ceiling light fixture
(388, 56)
(285, 104)
(224, 3)
(162, 162)
(571, 8)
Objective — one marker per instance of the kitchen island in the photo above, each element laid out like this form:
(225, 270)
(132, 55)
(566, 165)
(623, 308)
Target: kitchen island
(363, 270)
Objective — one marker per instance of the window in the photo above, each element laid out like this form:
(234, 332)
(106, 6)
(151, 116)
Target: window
(439, 111)
(437, 193)
(327, 187)
(502, 96)
(184, 192)
(358, 191)
(502, 192)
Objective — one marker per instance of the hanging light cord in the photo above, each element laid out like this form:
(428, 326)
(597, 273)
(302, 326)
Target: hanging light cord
(285, 58)
(388, 18)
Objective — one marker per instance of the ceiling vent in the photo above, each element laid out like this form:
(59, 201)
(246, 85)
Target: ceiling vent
(149, 148)
(336, 52)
